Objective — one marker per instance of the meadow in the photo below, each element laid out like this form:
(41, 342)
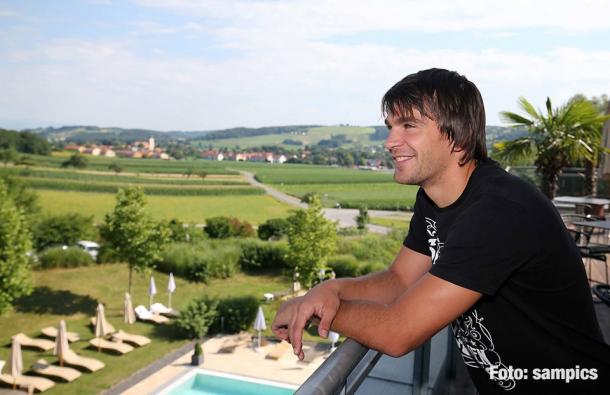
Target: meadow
(188, 209)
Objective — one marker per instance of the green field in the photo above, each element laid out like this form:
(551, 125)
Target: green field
(370, 195)
(73, 294)
(359, 137)
(188, 209)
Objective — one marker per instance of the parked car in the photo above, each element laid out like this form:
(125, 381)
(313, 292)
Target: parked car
(90, 247)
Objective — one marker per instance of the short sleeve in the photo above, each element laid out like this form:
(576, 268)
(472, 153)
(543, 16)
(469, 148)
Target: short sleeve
(417, 229)
(487, 243)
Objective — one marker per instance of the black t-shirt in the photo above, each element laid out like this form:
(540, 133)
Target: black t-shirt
(504, 239)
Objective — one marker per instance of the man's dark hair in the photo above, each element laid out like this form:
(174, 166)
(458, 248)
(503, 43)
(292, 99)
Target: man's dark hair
(447, 98)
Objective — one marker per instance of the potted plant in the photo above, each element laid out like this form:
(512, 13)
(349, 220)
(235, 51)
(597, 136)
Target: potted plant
(197, 357)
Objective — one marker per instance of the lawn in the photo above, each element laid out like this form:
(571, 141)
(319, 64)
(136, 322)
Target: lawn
(188, 209)
(73, 294)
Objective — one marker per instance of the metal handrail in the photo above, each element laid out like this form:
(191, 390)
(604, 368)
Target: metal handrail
(331, 376)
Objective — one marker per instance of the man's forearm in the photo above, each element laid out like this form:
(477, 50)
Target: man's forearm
(381, 287)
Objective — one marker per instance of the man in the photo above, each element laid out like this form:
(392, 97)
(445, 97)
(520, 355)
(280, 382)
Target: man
(485, 251)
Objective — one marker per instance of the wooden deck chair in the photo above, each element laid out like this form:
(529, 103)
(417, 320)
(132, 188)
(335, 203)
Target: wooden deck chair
(103, 344)
(44, 368)
(91, 364)
(229, 345)
(144, 315)
(278, 350)
(160, 308)
(39, 384)
(41, 344)
(51, 331)
(137, 340)
(107, 325)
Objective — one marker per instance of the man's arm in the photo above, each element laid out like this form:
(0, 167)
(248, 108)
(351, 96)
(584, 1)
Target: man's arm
(399, 327)
(385, 286)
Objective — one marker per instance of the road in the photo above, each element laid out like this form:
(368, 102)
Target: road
(346, 217)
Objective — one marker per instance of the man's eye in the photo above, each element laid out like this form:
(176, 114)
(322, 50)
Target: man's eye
(407, 125)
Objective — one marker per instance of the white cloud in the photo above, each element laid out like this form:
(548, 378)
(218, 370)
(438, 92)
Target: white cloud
(106, 83)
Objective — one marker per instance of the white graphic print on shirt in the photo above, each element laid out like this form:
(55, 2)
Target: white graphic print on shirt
(434, 242)
(477, 347)
(473, 339)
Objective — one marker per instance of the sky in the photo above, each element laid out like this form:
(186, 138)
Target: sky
(204, 65)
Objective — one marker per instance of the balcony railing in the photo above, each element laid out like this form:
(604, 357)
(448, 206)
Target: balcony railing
(433, 368)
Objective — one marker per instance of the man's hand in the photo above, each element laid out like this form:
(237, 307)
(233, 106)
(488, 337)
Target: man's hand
(321, 302)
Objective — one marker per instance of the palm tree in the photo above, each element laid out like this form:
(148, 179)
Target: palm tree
(561, 136)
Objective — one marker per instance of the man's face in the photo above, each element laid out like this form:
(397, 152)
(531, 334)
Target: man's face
(419, 150)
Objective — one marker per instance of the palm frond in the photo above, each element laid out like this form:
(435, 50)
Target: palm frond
(528, 108)
(518, 120)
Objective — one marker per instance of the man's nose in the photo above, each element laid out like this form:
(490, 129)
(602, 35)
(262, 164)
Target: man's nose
(391, 141)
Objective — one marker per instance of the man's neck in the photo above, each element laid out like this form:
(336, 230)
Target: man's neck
(450, 185)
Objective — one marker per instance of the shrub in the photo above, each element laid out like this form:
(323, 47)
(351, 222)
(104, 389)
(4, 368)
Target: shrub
(218, 227)
(224, 227)
(371, 267)
(77, 161)
(201, 261)
(273, 228)
(196, 318)
(344, 265)
(260, 255)
(59, 257)
(235, 314)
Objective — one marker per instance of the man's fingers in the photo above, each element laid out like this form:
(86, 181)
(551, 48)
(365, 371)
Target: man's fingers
(297, 327)
(325, 321)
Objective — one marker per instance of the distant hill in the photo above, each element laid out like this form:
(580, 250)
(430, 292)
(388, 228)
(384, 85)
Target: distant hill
(286, 136)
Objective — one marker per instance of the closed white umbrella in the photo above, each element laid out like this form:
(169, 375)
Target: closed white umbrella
(333, 337)
(259, 324)
(101, 329)
(61, 342)
(152, 291)
(15, 366)
(129, 316)
(171, 287)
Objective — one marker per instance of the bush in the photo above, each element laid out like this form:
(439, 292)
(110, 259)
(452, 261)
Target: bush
(202, 261)
(196, 318)
(59, 257)
(371, 267)
(235, 314)
(344, 265)
(77, 161)
(225, 227)
(263, 255)
(274, 228)
(65, 229)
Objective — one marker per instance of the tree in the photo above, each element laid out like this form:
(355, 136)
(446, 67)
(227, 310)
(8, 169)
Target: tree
(8, 155)
(363, 218)
(15, 243)
(77, 161)
(555, 139)
(311, 240)
(132, 234)
(63, 229)
(273, 228)
(115, 167)
(24, 198)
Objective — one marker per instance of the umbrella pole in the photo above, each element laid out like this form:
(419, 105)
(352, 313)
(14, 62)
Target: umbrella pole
(169, 303)
(259, 339)
(150, 299)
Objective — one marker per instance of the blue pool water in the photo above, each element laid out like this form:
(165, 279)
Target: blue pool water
(211, 384)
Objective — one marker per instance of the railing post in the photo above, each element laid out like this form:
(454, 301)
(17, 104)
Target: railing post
(421, 369)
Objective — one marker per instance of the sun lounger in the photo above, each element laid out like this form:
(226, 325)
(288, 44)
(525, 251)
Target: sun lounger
(51, 331)
(144, 315)
(278, 350)
(230, 344)
(41, 344)
(91, 364)
(44, 368)
(37, 383)
(129, 338)
(159, 308)
(107, 325)
(120, 348)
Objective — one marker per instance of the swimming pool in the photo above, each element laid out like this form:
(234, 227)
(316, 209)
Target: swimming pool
(206, 382)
